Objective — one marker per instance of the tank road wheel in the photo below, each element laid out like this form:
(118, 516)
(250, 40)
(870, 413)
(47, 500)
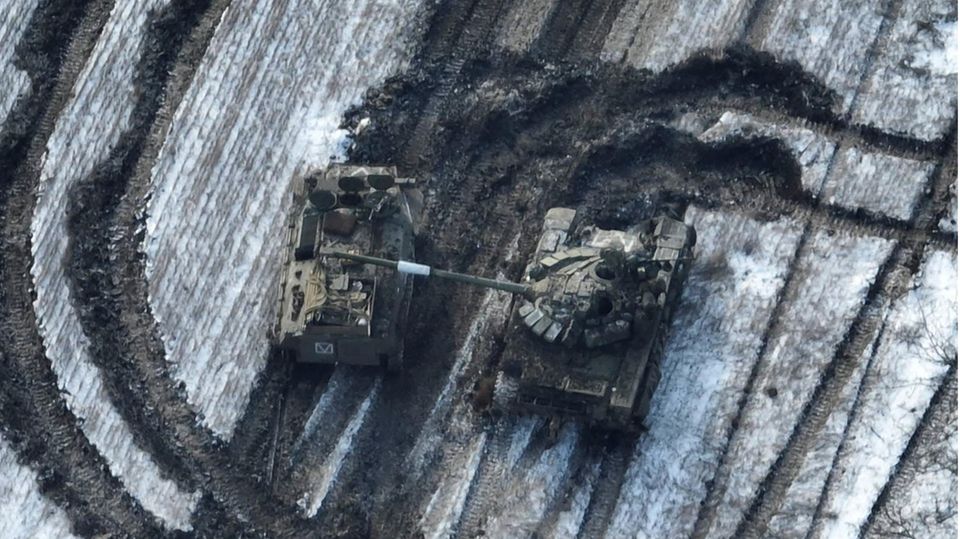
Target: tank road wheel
(504, 392)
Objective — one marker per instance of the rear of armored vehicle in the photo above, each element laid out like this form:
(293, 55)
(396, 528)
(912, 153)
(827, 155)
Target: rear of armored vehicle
(335, 311)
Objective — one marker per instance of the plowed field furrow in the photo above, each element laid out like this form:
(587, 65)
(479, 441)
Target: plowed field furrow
(606, 491)
(891, 282)
(81, 479)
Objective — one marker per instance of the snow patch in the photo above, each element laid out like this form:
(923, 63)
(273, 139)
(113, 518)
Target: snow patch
(939, 53)
(263, 109)
(26, 513)
(918, 341)
(724, 310)
(85, 133)
(327, 475)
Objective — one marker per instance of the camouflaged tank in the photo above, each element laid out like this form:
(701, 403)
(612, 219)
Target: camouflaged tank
(332, 310)
(588, 330)
(587, 343)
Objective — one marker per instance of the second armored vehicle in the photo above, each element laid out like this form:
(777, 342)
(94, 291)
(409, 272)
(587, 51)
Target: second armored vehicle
(595, 307)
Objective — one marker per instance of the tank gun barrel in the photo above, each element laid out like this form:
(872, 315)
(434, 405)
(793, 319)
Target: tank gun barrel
(413, 268)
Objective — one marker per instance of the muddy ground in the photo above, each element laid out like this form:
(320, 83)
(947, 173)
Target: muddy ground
(497, 138)
(515, 135)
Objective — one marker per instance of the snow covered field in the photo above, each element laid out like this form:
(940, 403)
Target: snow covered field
(919, 497)
(833, 273)
(669, 35)
(14, 16)
(264, 108)
(716, 334)
(87, 130)
(912, 88)
(796, 515)
(876, 182)
(26, 512)
(919, 335)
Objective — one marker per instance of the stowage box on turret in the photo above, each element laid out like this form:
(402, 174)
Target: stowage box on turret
(589, 327)
(334, 310)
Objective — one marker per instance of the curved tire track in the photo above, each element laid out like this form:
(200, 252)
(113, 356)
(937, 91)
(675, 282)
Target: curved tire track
(240, 501)
(71, 470)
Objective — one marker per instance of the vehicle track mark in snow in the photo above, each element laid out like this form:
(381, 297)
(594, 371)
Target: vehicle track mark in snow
(491, 315)
(26, 512)
(801, 498)
(920, 497)
(518, 505)
(576, 29)
(911, 85)
(312, 501)
(891, 282)
(279, 109)
(104, 505)
(339, 405)
(718, 483)
(86, 132)
(830, 277)
(14, 17)
(913, 355)
(333, 393)
(606, 490)
(568, 518)
(445, 507)
(832, 41)
(712, 346)
(657, 36)
(469, 41)
(482, 486)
